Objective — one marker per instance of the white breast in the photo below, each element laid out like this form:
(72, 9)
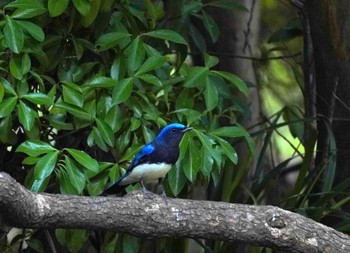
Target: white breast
(146, 172)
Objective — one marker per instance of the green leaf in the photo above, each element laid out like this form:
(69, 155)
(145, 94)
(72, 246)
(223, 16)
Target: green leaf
(76, 177)
(66, 186)
(73, 239)
(196, 77)
(35, 244)
(26, 116)
(72, 96)
(102, 82)
(46, 165)
(16, 68)
(131, 244)
(211, 26)
(2, 91)
(230, 131)
(228, 5)
(176, 179)
(109, 40)
(57, 7)
(74, 110)
(211, 95)
(39, 185)
(35, 148)
(135, 53)
(122, 91)
(169, 35)
(26, 64)
(83, 159)
(192, 162)
(32, 29)
(29, 12)
(13, 35)
(38, 98)
(7, 105)
(150, 64)
(83, 6)
(210, 61)
(97, 137)
(150, 79)
(235, 80)
(114, 118)
(106, 132)
(228, 150)
(7, 86)
(207, 162)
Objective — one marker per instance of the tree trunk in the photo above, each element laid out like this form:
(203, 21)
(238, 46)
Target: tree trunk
(330, 33)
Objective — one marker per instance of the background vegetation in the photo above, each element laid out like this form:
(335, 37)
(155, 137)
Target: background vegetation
(84, 84)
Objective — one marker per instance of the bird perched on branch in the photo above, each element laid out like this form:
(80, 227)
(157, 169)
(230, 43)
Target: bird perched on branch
(154, 160)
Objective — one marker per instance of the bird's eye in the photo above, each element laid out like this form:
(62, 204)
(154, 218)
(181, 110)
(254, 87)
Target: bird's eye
(173, 130)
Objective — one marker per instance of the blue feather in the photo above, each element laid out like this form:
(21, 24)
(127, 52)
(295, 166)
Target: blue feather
(154, 160)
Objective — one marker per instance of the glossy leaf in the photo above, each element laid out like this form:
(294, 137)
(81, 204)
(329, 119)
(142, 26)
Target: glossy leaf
(196, 77)
(106, 132)
(35, 148)
(176, 179)
(211, 95)
(150, 79)
(73, 109)
(83, 6)
(46, 165)
(26, 116)
(13, 35)
(66, 186)
(192, 162)
(83, 159)
(102, 82)
(76, 177)
(7, 105)
(16, 68)
(229, 131)
(228, 150)
(135, 54)
(235, 80)
(169, 35)
(122, 90)
(109, 40)
(38, 98)
(72, 96)
(211, 26)
(57, 7)
(32, 29)
(150, 64)
(29, 12)
(98, 139)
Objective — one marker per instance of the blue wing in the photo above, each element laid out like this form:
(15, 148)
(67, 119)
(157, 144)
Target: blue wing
(139, 157)
(144, 152)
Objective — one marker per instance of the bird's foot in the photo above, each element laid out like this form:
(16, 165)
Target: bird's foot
(165, 197)
(147, 194)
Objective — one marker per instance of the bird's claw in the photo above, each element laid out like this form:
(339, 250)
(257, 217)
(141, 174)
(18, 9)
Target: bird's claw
(147, 193)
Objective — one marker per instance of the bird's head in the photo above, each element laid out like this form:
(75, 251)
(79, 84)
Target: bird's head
(172, 134)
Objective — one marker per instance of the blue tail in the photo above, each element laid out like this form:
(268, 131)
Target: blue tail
(115, 187)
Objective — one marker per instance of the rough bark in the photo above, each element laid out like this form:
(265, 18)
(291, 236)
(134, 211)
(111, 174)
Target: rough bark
(153, 218)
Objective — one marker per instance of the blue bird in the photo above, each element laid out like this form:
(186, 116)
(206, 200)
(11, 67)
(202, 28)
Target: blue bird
(154, 160)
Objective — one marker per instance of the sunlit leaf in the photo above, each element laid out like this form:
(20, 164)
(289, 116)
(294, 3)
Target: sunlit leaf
(35, 148)
(26, 116)
(38, 98)
(106, 132)
(46, 165)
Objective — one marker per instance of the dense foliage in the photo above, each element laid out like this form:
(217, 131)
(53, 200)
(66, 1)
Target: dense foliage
(84, 84)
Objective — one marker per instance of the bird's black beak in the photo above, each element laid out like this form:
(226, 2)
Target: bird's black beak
(186, 129)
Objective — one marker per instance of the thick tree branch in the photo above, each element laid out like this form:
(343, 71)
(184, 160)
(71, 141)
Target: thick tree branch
(152, 218)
